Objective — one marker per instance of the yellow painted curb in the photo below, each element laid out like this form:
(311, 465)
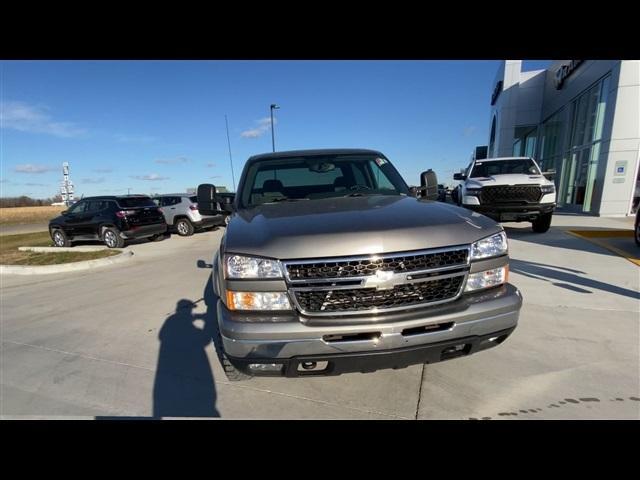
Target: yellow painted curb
(603, 233)
(595, 236)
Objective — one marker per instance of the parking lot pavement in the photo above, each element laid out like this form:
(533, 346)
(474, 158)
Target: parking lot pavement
(135, 341)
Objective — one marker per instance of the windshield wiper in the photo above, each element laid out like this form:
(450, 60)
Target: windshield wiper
(286, 200)
(361, 194)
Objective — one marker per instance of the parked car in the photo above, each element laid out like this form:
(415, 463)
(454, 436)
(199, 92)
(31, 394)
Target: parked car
(226, 203)
(443, 191)
(182, 215)
(110, 219)
(330, 264)
(509, 189)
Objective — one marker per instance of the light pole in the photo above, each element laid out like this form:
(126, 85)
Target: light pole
(273, 138)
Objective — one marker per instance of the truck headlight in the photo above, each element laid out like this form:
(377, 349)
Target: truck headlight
(240, 266)
(258, 301)
(473, 192)
(487, 279)
(548, 188)
(492, 246)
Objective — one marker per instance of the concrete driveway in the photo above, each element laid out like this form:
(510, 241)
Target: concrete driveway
(135, 341)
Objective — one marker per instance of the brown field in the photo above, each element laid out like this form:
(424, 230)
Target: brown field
(24, 215)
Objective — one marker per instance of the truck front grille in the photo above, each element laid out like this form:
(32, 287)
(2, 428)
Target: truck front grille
(367, 266)
(367, 299)
(510, 194)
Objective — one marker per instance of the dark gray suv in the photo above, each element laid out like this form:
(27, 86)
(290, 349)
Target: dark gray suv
(330, 263)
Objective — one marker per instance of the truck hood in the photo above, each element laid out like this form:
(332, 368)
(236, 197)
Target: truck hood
(352, 226)
(507, 179)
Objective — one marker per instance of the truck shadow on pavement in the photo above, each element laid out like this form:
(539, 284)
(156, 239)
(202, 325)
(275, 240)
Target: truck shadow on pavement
(184, 385)
(565, 277)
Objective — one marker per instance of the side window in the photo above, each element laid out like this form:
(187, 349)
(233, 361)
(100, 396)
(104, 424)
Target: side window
(78, 208)
(96, 206)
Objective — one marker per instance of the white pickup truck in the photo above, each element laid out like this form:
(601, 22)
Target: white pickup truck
(508, 189)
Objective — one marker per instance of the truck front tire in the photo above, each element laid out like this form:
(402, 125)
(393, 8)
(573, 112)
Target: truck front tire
(542, 223)
(232, 373)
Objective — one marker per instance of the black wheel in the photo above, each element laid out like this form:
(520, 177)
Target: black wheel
(232, 373)
(111, 238)
(542, 223)
(184, 227)
(59, 238)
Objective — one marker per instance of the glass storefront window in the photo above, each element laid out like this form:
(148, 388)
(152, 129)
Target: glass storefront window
(577, 181)
(524, 144)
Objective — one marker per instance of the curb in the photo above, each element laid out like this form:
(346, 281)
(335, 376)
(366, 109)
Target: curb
(85, 248)
(64, 267)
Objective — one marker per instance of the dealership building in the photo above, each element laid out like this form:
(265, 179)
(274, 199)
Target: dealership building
(580, 118)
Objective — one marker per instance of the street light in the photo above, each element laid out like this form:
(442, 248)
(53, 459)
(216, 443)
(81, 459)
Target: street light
(273, 139)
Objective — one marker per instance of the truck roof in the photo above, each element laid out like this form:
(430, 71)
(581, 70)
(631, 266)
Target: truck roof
(313, 153)
(503, 158)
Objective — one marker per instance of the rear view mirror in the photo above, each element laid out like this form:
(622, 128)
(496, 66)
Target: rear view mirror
(459, 176)
(550, 174)
(429, 185)
(207, 199)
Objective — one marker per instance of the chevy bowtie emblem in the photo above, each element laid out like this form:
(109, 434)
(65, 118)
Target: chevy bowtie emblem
(384, 280)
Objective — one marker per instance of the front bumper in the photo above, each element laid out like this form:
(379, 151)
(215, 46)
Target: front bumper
(513, 212)
(209, 221)
(387, 341)
(144, 231)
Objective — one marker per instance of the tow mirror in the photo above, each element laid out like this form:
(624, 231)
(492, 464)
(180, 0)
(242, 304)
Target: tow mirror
(429, 185)
(208, 199)
(459, 176)
(550, 174)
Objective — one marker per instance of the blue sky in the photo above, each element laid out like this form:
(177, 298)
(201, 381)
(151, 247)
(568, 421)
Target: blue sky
(158, 126)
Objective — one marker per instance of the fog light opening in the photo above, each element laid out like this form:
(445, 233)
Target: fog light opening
(455, 351)
(265, 367)
(312, 366)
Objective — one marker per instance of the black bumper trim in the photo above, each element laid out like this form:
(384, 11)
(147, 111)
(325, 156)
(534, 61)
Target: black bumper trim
(373, 360)
(520, 211)
(143, 231)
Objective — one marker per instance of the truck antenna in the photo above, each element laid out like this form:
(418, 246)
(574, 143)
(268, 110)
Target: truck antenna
(230, 158)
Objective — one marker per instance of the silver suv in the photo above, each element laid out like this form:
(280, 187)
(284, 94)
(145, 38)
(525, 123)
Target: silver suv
(182, 215)
(330, 263)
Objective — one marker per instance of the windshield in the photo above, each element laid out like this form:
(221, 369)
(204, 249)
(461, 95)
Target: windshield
(136, 202)
(316, 177)
(503, 167)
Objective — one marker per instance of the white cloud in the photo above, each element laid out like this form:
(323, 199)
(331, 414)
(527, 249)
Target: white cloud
(35, 119)
(153, 177)
(93, 180)
(30, 168)
(264, 124)
(172, 161)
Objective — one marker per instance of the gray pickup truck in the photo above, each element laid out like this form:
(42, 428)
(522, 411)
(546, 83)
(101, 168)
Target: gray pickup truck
(332, 264)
